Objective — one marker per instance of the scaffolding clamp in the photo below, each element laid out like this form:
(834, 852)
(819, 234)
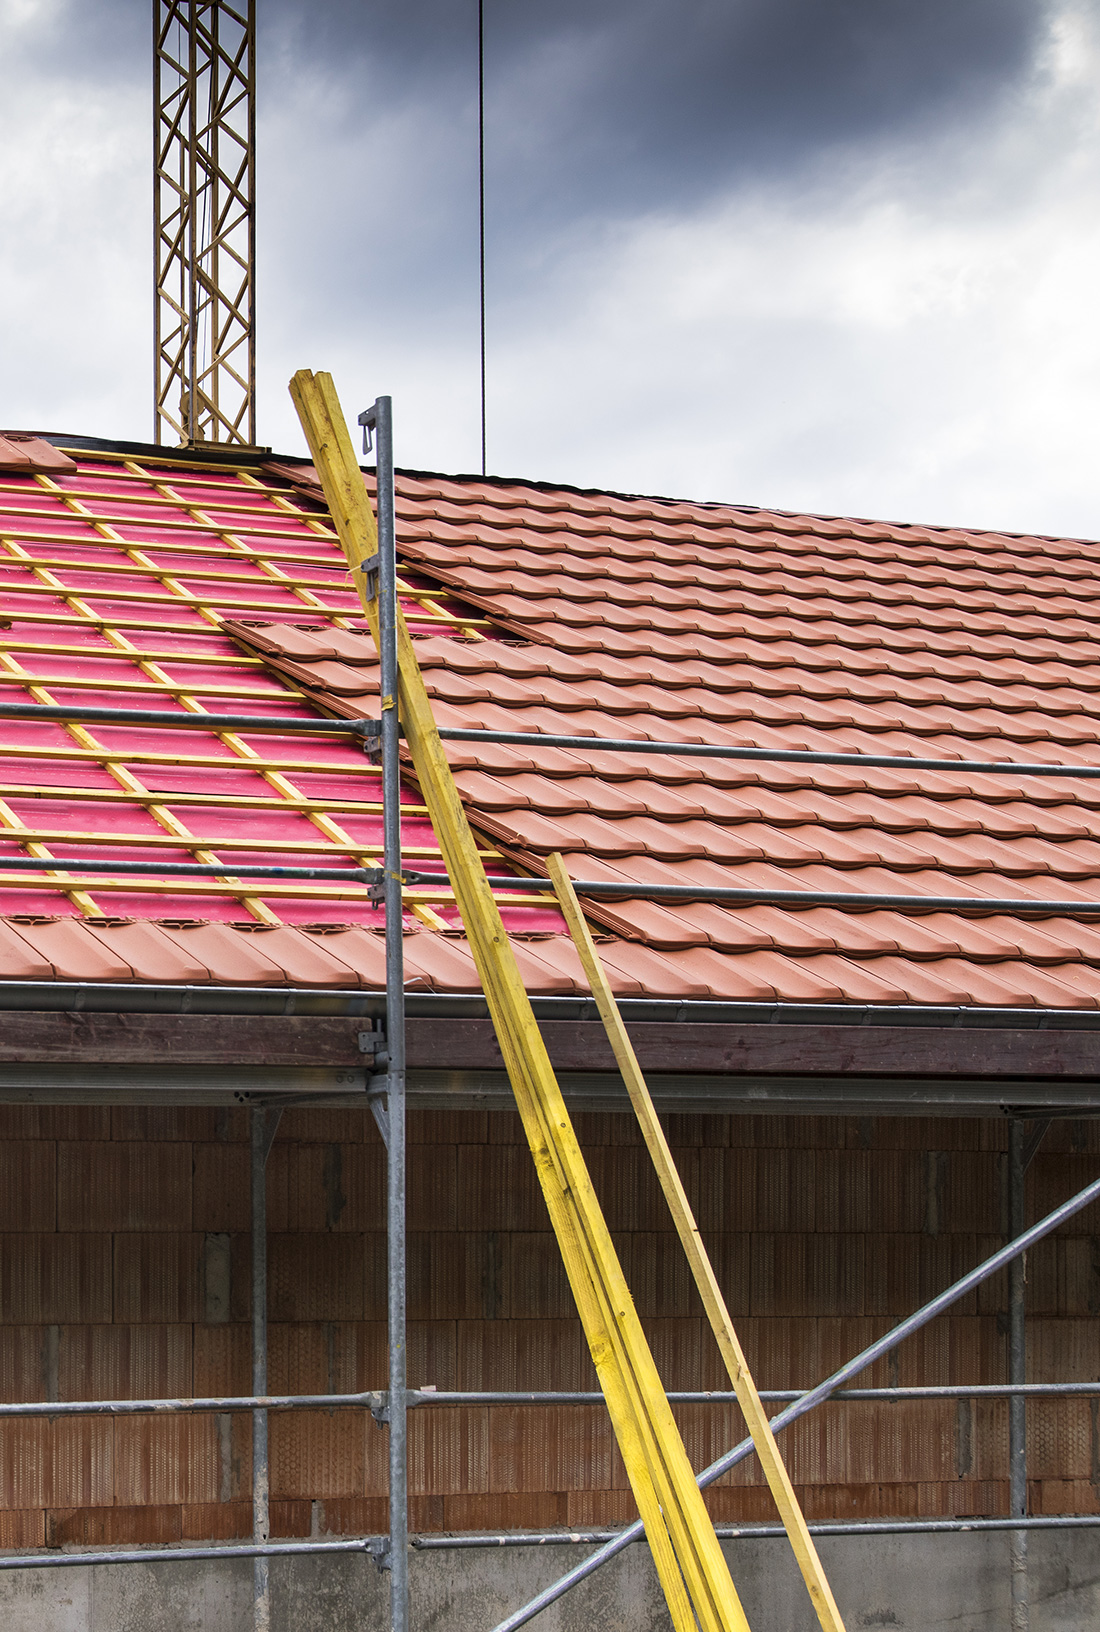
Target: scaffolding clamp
(377, 881)
(369, 567)
(378, 1404)
(378, 1547)
(374, 1042)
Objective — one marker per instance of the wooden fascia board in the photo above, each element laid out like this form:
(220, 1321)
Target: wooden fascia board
(458, 1044)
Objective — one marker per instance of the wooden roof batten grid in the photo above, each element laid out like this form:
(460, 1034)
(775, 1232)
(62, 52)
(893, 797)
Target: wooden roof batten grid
(172, 499)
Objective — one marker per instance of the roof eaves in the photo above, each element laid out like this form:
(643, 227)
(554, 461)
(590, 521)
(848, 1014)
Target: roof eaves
(139, 997)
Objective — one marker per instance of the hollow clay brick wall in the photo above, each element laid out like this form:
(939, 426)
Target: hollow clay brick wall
(124, 1272)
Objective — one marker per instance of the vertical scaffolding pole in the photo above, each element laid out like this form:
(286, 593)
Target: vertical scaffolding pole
(263, 1127)
(395, 1020)
(1017, 1373)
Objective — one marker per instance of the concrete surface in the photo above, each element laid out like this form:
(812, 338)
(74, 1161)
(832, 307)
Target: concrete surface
(955, 1583)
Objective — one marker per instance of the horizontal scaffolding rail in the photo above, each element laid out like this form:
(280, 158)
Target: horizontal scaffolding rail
(782, 756)
(72, 866)
(67, 869)
(82, 714)
(79, 712)
(600, 889)
(377, 1400)
(750, 1532)
(375, 1546)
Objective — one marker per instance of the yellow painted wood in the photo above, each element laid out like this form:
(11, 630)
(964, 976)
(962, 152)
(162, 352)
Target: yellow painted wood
(689, 1561)
(701, 1268)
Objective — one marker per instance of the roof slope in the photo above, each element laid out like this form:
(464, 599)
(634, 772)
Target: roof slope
(117, 574)
(147, 580)
(640, 618)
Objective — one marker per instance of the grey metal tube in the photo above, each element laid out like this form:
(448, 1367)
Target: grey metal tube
(370, 1400)
(546, 1538)
(1017, 1373)
(929, 1391)
(398, 1556)
(184, 1555)
(263, 1125)
(815, 1396)
(596, 888)
(374, 1544)
(601, 888)
(747, 1532)
(81, 712)
(781, 756)
(188, 869)
(377, 1400)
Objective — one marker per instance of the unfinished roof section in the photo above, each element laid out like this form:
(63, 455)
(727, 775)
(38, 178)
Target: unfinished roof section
(149, 581)
(645, 618)
(117, 575)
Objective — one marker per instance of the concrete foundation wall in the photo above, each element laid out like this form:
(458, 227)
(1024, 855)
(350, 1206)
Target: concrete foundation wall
(956, 1583)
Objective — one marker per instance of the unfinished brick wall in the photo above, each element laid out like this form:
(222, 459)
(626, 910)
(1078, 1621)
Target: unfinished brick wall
(124, 1255)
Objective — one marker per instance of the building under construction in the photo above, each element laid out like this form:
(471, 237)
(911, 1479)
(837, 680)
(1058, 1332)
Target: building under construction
(430, 905)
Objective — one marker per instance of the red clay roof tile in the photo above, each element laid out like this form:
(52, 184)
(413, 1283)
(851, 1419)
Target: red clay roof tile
(73, 953)
(26, 454)
(150, 953)
(19, 959)
(230, 955)
(619, 617)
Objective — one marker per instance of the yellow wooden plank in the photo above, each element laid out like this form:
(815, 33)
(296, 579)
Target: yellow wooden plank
(226, 841)
(142, 756)
(689, 1561)
(701, 1268)
(60, 648)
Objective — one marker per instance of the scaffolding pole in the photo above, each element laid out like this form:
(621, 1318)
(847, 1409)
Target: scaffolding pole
(388, 1088)
(263, 1126)
(1017, 1373)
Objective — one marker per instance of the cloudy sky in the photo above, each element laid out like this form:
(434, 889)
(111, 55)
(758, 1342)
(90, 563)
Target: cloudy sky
(841, 255)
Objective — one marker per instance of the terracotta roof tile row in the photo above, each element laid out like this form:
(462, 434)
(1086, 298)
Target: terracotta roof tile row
(156, 583)
(712, 624)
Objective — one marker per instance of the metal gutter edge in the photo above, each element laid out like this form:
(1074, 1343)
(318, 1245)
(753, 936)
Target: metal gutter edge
(160, 1084)
(140, 997)
(704, 1093)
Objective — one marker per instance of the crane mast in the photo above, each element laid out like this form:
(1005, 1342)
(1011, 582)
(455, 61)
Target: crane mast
(204, 222)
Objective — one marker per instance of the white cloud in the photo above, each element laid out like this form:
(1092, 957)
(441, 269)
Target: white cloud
(909, 332)
(75, 234)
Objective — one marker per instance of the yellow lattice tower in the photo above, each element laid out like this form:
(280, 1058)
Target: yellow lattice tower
(204, 241)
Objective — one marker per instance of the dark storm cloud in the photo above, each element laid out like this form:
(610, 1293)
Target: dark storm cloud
(616, 104)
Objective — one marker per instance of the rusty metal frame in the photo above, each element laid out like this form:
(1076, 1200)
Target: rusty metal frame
(204, 171)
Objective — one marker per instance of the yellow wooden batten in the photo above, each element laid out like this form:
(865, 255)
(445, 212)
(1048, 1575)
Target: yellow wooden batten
(702, 1270)
(685, 1549)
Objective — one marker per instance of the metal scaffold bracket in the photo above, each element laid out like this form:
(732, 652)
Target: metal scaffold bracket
(689, 1560)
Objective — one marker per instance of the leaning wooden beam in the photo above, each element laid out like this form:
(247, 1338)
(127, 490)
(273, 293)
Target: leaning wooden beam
(685, 1549)
(714, 1303)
